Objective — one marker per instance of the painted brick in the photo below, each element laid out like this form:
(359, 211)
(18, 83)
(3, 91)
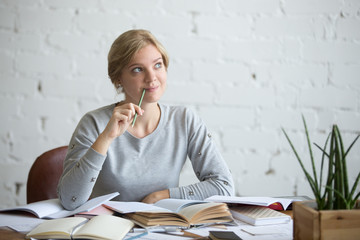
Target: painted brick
(249, 139)
(299, 75)
(345, 28)
(284, 118)
(220, 73)
(203, 6)
(43, 64)
(6, 63)
(312, 6)
(96, 22)
(189, 48)
(227, 116)
(287, 26)
(246, 96)
(332, 51)
(160, 23)
(351, 7)
(36, 20)
(223, 26)
(182, 71)
(255, 6)
(329, 97)
(195, 93)
(68, 4)
(346, 75)
(68, 88)
(7, 18)
(20, 41)
(74, 43)
(252, 50)
(129, 6)
(349, 121)
(90, 67)
(16, 85)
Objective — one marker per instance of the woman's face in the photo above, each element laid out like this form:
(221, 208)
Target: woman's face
(145, 71)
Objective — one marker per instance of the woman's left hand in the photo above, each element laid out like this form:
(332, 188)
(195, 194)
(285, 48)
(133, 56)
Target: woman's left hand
(156, 196)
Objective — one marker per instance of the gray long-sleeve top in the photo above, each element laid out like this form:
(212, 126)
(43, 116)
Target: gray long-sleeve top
(137, 167)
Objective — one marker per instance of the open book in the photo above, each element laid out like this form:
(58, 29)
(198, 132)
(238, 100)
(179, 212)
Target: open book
(52, 208)
(104, 227)
(258, 215)
(173, 212)
(274, 203)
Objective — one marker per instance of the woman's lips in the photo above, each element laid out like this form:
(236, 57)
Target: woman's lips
(151, 89)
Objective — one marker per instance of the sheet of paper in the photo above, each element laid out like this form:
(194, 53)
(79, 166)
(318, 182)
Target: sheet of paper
(270, 232)
(156, 236)
(40, 209)
(19, 222)
(175, 205)
(88, 206)
(259, 201)
(129, 207)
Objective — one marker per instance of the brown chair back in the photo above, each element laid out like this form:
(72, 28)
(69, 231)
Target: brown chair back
(44, 175)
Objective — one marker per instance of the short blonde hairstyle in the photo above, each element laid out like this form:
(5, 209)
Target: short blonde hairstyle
(126, 46)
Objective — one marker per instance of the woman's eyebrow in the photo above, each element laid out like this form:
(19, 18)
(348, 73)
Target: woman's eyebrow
(157, 59)
(136, 64)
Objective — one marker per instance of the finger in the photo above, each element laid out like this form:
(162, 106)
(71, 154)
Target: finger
(129, 111)
(139, 110)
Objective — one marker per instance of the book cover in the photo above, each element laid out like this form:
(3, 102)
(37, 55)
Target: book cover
(223, 235)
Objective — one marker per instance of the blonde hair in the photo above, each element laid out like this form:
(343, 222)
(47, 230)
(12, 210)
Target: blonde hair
(126, 46)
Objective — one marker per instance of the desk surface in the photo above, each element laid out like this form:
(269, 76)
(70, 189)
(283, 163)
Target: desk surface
(8, 234)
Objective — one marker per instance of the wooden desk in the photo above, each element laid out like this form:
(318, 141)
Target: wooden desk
(9, 234)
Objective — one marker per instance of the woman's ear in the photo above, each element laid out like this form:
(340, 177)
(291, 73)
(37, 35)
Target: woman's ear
(118, 83)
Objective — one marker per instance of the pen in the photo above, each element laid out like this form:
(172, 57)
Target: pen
(142, 96)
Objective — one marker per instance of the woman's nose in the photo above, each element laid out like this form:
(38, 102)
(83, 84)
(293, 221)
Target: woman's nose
(151, 76)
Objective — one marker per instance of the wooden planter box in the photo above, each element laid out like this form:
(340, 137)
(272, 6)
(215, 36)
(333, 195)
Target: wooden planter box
(326, 224)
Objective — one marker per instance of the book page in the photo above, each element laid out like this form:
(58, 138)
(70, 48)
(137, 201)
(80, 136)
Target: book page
(258, 215)
(131, 207)
(104, 227)
(194, 213)
(175, 205)
(89, 205)
(259, 201)
(40, 209)
(56, 228)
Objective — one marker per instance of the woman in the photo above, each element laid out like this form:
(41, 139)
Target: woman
(142, 161)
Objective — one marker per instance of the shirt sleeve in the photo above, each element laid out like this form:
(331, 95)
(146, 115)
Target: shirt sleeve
(208, 164)
(82, 165)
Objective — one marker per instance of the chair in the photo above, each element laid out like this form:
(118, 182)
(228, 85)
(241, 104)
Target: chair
(44, 175)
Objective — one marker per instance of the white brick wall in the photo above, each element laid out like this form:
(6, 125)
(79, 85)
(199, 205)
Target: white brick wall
(247, 67)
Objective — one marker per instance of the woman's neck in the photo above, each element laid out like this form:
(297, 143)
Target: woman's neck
(147, 123)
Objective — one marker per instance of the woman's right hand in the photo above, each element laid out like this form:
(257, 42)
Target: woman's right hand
(119, 122)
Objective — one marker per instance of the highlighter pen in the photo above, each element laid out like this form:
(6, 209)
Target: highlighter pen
(142, 96)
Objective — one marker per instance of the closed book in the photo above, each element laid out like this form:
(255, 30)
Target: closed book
(258, 215)
(223, 235)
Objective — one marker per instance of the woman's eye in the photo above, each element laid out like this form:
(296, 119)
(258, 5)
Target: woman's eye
(158, 65)
(136, 70)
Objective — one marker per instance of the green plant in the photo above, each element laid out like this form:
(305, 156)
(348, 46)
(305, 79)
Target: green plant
(335, 194)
